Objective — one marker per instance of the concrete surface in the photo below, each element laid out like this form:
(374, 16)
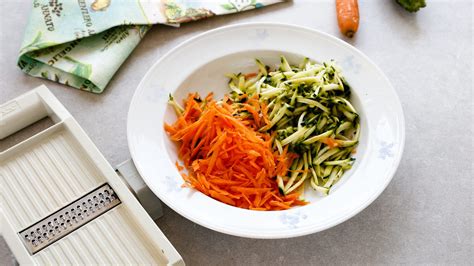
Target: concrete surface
(425, 215)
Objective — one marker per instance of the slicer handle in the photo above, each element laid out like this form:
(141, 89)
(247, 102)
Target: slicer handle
(145, 196)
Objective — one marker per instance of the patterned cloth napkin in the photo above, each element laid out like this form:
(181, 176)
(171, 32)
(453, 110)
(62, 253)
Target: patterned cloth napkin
(82, 43)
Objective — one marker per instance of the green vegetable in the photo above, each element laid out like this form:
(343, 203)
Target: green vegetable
(178, 109)
(412, 5)
(310, 111)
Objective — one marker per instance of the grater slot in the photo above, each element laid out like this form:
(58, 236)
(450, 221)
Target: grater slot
(69, 218)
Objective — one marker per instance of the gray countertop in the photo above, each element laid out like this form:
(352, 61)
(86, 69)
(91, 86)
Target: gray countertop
(426, 213)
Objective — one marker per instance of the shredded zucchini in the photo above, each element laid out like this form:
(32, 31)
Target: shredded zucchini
(309, 108)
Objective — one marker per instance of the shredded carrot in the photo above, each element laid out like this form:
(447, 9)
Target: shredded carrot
(332, 143)
(250, 75)
(227, 158)
(180, 167)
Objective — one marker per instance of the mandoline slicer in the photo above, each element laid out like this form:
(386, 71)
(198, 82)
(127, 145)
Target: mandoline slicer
(62, 202)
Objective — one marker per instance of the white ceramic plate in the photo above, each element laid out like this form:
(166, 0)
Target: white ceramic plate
(200, 63)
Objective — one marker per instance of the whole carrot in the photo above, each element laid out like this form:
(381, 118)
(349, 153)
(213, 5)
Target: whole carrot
(347, 16)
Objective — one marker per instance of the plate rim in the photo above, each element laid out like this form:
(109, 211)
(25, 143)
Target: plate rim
(285, 234)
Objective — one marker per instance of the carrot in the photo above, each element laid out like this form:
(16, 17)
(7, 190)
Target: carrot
(347, 16)
(179, 167)
(279, 205)
(265, 114)
(332, 143)
(227, 158)
(250, 75)
(221, 197)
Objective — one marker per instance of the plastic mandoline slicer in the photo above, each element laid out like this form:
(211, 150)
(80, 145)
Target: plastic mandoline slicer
(62, 202)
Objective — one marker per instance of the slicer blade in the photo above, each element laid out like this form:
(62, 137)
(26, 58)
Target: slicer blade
(69, 218)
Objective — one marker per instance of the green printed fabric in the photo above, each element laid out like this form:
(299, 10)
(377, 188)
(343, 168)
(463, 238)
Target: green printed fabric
(82, 43)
